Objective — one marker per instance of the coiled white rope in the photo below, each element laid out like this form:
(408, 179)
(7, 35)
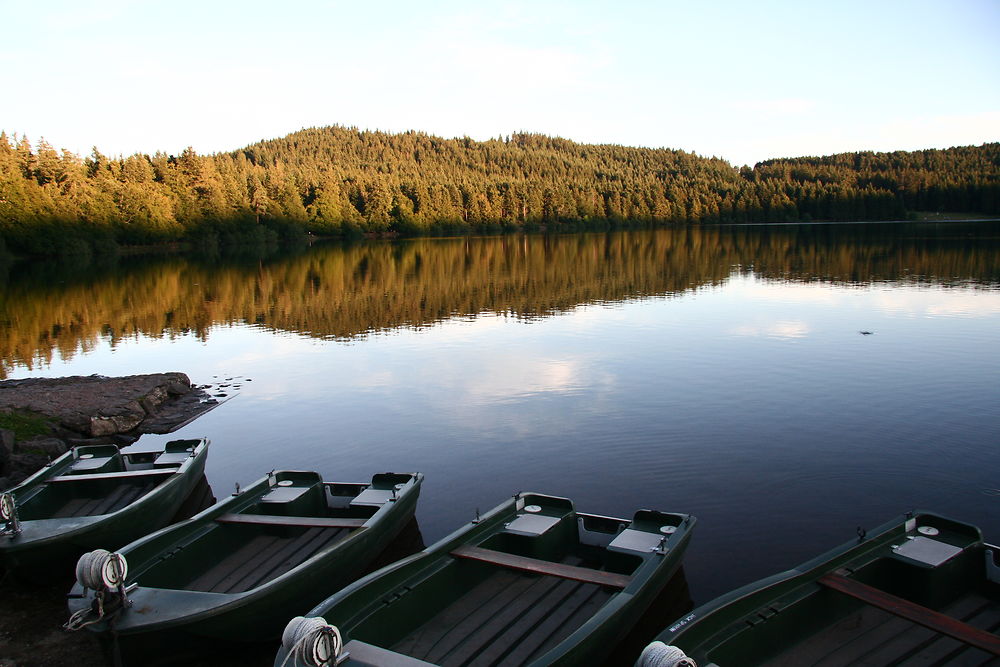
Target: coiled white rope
(659, 654)
(97, 570)
(101, 568)
(311, 641)
(6, 506)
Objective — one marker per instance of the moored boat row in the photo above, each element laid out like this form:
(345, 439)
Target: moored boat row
(531, 582)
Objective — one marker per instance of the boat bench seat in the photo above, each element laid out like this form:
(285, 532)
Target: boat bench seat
(306, 521)
(90, 464)
(538, 566)
(128, 474)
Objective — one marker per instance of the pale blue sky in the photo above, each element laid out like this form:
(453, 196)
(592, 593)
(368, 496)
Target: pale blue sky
(743, 81)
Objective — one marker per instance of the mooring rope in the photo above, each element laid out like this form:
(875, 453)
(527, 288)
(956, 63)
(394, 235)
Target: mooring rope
(311, 641)
(101, 568)
(6, 506)
(659, 654)
(79, 619)
(100, 571)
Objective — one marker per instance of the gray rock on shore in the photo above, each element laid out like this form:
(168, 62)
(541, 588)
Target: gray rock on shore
(93, 410)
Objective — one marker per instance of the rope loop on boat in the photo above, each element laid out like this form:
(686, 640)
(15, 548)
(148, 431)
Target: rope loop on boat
(311, 641)
(104, 573)
(6, 506)
(658, 654)
(101, 569)
(8, 515)
(81, 617)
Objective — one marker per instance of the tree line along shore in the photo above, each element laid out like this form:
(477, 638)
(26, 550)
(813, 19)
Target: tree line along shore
(338, 181)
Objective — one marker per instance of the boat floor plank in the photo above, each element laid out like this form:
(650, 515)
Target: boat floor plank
(211, 577)
(252, 567)
(872, 637)
(943, 650)
(280, 561)
(127, 495)
(72, 508)
(581, 615)
(122, 496)
(87, 507)
(506, 619)
(123, 493)
(541, 596)
(327, 537)
(476, 610)
(523, 643)
(929, 618)
(436, 629)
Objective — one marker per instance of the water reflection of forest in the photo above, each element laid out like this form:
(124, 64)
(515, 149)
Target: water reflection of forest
(336, 291)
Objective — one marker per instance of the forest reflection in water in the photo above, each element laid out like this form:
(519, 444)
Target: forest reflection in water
(334, 291)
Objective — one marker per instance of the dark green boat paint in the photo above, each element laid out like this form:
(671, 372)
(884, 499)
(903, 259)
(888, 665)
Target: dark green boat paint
(99, 496)
(183, 590)
(792, 618)
(386, 612)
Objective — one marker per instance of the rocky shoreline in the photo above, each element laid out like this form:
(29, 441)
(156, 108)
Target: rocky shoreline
(42, 418)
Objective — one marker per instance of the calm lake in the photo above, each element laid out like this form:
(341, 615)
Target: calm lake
(785, 384)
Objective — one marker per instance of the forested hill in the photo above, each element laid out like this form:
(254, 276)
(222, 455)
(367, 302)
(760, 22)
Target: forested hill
(339, 180)
(963, 179)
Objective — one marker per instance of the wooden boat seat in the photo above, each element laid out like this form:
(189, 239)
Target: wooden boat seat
(538, 566)
(938, 622)
(128, 474)
(306, 521)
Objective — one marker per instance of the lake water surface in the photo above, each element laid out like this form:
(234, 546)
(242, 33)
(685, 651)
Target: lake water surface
(784, 384)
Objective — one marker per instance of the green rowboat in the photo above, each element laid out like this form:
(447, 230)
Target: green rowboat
(95, 495)
(533, 582)
(239, 569)
(919, 590)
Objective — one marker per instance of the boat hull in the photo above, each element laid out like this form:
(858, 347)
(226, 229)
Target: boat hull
(162, 621)
(45, 544)
(531, 583)
(895, 593)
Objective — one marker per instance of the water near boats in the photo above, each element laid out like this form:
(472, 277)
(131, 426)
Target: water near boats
(240, 569)
(96, 495)
(919, 590)
(533, 582)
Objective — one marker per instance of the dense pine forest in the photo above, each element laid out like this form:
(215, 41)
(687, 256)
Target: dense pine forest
(338, 181)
